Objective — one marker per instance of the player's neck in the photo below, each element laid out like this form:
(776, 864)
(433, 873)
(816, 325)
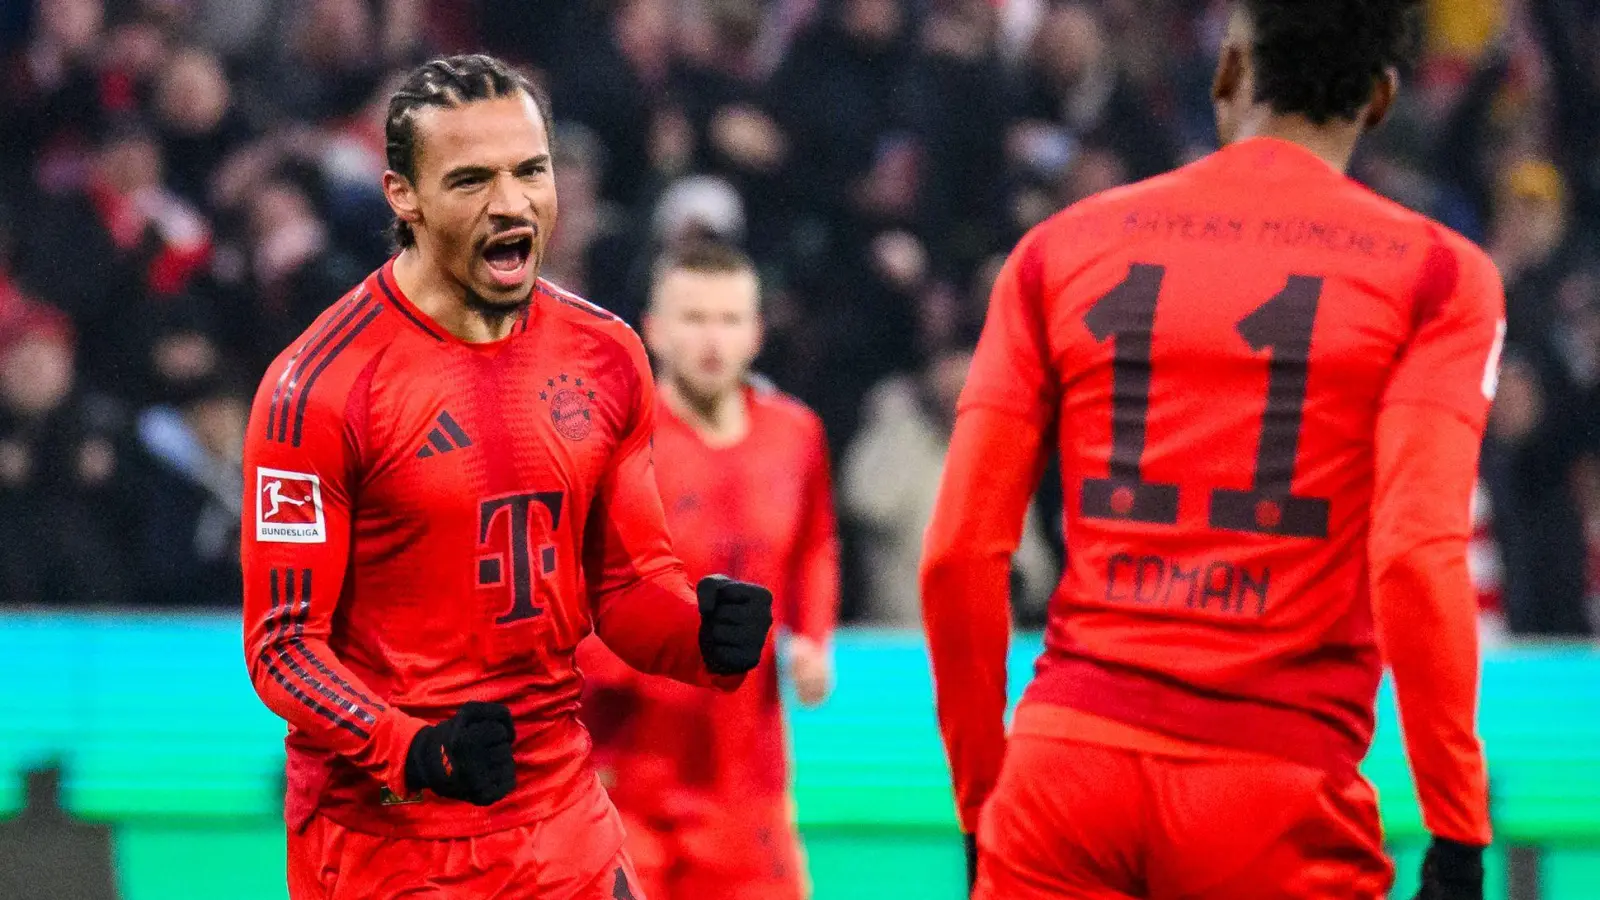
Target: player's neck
(445, 302)
(1334, 144)
(721, 421)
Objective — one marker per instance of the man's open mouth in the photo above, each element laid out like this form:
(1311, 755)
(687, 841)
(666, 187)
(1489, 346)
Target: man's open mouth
(509, 253)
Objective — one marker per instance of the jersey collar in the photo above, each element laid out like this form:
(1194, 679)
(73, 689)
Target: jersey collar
(388, 287)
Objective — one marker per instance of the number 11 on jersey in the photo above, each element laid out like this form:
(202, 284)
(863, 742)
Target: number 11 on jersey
(1126, 315)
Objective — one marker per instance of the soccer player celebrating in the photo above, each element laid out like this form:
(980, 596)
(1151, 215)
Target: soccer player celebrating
(1270, 386)
(450, 484)
(700, 778)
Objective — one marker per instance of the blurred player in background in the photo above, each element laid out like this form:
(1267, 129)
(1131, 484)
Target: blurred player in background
(1270, 386)
(449, 485)
(701, 779)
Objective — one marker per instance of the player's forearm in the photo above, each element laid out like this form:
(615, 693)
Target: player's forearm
(1427, 620)
(968, 632)
(303, 682)
(818, 592)
(653, 624)
(977, 523)
(1425, 609)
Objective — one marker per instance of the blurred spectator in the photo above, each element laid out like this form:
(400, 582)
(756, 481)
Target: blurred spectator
(1529, 242)
(107, 249)
(594, 235)
(890, 479)
(328, 57)
(197, 119)
(60, 512)
(189, 493)
(611, 74)
(717, 85)
(1535, 438)
(296, 269)
(969, 98)
(850, 98)
(1076, 92)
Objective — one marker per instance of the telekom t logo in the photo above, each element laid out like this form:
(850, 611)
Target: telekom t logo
(509, 526)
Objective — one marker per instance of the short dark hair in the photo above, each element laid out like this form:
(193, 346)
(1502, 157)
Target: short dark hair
(1322, 58)
(447, 82)
(706, 257)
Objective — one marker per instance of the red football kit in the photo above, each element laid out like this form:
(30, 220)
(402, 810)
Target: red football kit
(701, 778)
(429, 521)
(1269, 387)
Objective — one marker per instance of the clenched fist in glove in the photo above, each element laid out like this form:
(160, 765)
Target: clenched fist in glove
(734, 620)
(465, 757)
(1452, 871)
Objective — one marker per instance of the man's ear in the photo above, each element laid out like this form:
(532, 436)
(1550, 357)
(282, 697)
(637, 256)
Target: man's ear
(648, 329)
(1229, 76)
(402, 197)
(1384, 90)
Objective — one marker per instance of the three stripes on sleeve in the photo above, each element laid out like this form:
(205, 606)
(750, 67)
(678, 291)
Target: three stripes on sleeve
(291, 662)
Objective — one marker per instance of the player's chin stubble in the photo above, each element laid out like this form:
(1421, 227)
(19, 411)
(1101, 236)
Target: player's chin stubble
(500, 310)
(480, 305)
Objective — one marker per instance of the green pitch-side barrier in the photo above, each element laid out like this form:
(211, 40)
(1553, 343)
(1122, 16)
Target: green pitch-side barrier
(160, 736)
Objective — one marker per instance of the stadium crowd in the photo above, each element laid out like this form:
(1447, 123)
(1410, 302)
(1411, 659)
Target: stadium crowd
(187, 183)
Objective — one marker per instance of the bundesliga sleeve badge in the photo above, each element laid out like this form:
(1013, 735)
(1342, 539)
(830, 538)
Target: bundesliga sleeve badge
(289, 507)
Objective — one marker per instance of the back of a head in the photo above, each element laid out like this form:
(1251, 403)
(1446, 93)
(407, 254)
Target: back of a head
(1321, 58)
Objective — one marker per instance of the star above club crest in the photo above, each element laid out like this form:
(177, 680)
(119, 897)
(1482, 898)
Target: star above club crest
(549, 382)
(591, 395)
(563, 376)
(543, 396)
(577, 382)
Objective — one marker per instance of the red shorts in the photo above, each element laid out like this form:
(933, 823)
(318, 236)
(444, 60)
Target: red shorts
(1081, 820)
(749, 853)
(574, 855)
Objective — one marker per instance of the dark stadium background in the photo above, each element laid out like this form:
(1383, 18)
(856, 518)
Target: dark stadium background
(184, 184)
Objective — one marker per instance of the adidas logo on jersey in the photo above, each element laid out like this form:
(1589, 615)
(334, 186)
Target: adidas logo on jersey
(445, 436)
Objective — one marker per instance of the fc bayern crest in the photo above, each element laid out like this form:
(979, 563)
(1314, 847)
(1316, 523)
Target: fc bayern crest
(571, 406)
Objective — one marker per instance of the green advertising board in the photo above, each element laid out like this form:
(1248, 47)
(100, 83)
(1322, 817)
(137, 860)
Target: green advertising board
(160, 737)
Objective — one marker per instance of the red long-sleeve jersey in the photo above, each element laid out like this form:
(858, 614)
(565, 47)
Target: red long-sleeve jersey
(760, 510)
(429, 521)
(1270, 385)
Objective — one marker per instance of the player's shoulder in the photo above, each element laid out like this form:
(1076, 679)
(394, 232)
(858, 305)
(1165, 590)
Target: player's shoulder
(1084, 227)
(586, 317)
(569, 307)
(1450, 259)
(780, 405)
(785, 419)
(314, 374)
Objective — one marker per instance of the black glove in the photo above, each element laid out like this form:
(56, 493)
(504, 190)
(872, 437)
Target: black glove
(971, 840)
(1452, 871)
(734, 620)
(465, 757)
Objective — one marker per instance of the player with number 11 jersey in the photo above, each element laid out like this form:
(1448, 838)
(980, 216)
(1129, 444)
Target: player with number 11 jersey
(1269, 386)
